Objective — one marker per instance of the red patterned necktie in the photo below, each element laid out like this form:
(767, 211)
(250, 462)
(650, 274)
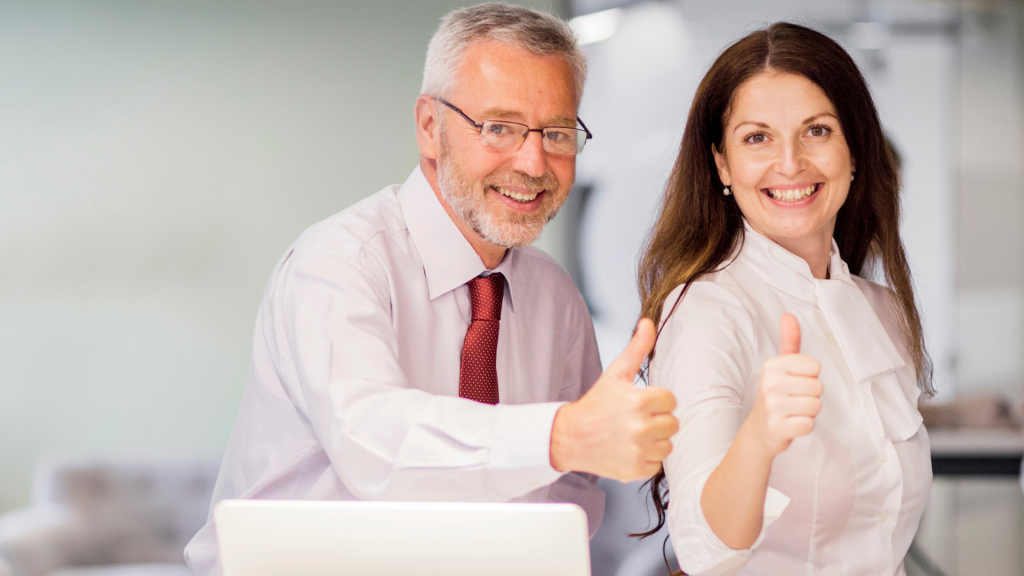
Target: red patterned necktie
(478, 378)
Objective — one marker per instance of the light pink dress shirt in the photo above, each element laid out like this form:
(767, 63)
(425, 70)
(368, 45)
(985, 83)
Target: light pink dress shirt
(354, 384)
(843, 500)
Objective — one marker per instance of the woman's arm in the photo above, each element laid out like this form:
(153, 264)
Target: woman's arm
(787, 401)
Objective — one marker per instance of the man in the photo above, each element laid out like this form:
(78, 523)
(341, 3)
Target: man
(413, 347)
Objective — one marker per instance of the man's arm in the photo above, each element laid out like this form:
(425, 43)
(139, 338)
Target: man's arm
(386, 440)
(615, 430)
(581, 371)
(391, 442)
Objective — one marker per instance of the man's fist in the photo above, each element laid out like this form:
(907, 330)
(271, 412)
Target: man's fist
(789, 396)
(616, 430)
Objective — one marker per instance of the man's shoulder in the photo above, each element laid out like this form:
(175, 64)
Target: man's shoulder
(347, 232)
(540, 269)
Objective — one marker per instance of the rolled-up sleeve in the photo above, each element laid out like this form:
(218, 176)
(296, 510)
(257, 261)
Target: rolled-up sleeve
(386, 440)
(703, 356)
(583, 368)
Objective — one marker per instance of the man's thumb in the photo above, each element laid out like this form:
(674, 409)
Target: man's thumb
(632, 358)
(789, 335)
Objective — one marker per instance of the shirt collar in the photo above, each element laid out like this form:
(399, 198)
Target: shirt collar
(858, 331)
(449, 260)
(777, 266)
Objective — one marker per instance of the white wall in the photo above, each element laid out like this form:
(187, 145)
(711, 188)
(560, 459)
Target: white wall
(156, 159)
(990, 210)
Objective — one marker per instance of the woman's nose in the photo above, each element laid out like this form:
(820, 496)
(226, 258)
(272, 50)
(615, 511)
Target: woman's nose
(791, 158)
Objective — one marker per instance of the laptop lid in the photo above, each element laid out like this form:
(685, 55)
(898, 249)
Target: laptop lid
(284, 538)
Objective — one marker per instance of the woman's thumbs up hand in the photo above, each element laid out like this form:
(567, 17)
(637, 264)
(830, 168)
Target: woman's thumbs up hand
(789, 396)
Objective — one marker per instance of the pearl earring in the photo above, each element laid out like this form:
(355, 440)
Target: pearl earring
(727, 191)
(852, 175)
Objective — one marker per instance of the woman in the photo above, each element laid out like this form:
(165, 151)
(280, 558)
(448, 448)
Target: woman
(800, 449)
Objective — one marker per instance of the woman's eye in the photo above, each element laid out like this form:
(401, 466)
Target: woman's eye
(757, 138)
(818, 131)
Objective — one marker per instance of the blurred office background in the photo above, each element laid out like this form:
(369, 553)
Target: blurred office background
(157, 158)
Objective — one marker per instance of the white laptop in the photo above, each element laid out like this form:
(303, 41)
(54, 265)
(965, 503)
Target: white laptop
(289, 538)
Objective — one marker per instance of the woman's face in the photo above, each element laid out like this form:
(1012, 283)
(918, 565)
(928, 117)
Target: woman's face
(785, 158)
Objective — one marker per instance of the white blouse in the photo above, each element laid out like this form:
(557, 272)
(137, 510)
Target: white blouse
(845, 499)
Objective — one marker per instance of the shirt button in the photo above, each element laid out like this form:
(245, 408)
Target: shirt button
(855, 400)
(883, 516)
(831, 338)
(882, 458)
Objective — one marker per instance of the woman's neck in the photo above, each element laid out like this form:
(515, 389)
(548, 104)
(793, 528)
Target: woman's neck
(815, 249)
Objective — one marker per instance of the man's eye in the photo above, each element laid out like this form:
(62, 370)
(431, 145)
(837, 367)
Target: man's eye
(556, 136)
(499, 129)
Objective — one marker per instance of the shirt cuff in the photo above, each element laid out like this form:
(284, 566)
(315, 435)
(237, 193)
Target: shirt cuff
(702, 553)
(521, 452)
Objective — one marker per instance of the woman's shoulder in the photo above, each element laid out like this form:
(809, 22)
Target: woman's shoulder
(710, 325)
(880, 298)
(713, 302)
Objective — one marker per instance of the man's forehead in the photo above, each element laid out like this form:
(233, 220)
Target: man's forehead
(495, 113)
(504, 82)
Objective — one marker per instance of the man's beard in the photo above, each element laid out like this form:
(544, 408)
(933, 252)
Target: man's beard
(489, 220)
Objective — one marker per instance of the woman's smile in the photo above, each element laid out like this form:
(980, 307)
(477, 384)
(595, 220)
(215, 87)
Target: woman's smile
(792, 194)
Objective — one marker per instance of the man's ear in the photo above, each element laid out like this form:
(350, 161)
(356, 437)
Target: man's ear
(428, 127)
(723, 166)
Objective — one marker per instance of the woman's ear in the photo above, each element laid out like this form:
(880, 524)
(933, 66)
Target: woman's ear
(723, 166)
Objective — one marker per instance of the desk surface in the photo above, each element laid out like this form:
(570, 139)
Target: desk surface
(958, 442)
(976, 452)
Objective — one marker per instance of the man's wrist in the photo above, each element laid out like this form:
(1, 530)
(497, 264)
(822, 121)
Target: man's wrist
(561, 446)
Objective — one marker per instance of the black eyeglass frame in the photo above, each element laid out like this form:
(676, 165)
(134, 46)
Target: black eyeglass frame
(480, 126)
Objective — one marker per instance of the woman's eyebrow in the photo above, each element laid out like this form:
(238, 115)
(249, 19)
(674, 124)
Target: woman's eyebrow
(758, 124)
(819, 115)
(807, 121)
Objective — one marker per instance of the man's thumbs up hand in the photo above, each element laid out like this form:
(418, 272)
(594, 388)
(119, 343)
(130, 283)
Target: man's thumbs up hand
(616, 430)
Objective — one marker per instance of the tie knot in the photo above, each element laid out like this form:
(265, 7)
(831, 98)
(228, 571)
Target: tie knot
(485, 295)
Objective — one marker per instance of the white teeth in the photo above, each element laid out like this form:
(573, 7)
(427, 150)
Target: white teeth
(792, 195)
(516, 195)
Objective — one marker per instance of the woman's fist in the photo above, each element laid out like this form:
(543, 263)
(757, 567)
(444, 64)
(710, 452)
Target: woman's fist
(789, 396)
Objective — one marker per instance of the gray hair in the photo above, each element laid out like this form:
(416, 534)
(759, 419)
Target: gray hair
(534, 31)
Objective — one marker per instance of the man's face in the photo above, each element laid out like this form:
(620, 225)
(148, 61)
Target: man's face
(506, 196)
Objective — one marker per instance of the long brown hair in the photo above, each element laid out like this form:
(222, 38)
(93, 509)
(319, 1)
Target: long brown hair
(699, 226)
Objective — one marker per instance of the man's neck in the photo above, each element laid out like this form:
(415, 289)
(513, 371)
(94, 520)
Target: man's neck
(490, 254)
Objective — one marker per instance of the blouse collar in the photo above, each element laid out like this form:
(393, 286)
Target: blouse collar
(858, 331)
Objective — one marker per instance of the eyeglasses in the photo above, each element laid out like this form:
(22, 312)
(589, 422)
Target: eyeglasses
(511, 135)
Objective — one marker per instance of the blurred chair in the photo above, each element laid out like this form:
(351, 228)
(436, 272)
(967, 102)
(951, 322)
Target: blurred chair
(108, 517)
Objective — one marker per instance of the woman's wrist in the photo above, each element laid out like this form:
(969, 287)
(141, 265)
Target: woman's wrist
(752, 447)
(733, 497)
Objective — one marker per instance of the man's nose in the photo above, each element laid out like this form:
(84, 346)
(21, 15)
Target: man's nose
(530, 158)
